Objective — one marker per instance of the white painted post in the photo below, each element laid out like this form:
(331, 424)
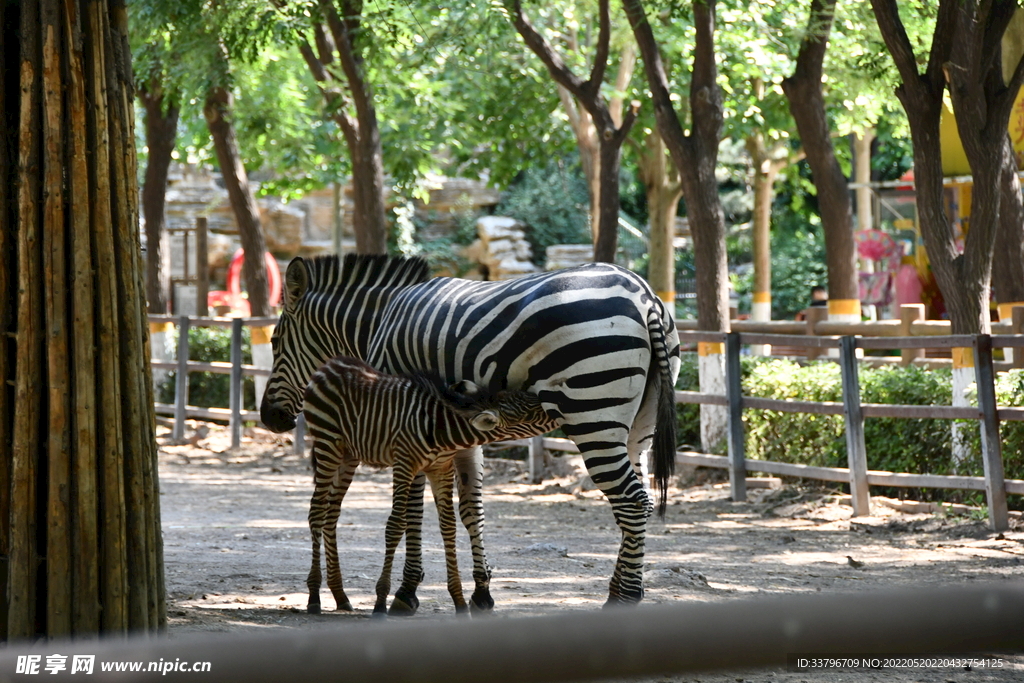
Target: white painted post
(714, 420)
(262, 357)
(856, 451)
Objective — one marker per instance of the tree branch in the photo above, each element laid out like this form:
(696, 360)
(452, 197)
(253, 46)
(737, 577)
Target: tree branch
(887, 14)
(627, 61)
(601, 55)
(542, 48)
(351, 63)
(627, 123)
(705, 96)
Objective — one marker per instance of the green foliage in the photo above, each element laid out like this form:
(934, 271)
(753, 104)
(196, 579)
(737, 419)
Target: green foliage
(209, 389)
(552, 202)
(798, 263)
(893, 444)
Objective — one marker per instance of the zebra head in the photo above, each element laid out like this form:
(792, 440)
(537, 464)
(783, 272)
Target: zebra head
(487, 412)
(301, 344)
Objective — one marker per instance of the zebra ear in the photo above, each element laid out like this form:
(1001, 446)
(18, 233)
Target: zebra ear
(296, 281)
(485, 421)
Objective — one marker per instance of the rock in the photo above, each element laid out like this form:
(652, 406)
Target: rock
(283, 228)
(560, 256)
(501, 249)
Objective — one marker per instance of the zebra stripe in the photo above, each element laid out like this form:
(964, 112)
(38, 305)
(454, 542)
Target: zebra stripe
(356, 414)
(594, 343)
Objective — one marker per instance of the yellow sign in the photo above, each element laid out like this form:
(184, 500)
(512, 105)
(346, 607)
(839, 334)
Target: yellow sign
(954, 159)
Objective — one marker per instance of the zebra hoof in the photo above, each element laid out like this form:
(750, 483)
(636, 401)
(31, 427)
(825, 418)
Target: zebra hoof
(343, 605)
(379, 616)
(312, 608)
(405, 604)
(481, 603)
(462, 610)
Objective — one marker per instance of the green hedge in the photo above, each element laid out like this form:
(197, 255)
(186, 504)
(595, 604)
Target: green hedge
(893, 444)
(209, 389)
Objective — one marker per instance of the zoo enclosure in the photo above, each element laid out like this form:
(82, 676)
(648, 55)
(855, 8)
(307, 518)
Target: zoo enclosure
(994, 484)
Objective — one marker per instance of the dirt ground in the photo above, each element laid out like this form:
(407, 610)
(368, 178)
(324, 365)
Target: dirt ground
(236, 546)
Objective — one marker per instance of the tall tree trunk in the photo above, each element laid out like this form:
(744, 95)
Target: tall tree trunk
(663, 190)
(766, 167)
(862, 175)
(80, 522)
(610, 133)
(1008, 260)
(217, 110)
(695, 156)
(807, 104)
(161, 133)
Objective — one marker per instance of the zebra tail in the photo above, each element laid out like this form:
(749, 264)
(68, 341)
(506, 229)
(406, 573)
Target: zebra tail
(664, 449)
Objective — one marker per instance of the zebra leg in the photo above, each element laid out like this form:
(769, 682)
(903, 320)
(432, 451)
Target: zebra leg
(393, 533)
(605, 455)
(469, 474)
(441, 483)
(406, 603)
(339, 487)
(324, 463)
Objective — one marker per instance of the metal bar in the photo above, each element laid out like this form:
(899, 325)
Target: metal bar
(181, 380)
(609, 644)
(856, 451)
(1009, 341)
(536, 459)
(687, 335)
(920, 412)
(991, 447)
(235, 390)
(734, 393)
(914, 342)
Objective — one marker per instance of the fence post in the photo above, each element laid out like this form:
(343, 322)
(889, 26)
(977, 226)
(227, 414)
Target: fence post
(991, 448)
(300, 435)
(815, 315)
(1017, 327)
(235, 390)
(537, 459)
(734, 395)
(202, 268)
(910, 313)
(181, 381)
(856, 451)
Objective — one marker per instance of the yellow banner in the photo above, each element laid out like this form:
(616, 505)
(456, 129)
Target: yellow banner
(157, 328)
(668, 297)
(261, 335)
(710, 348)
(762, 297)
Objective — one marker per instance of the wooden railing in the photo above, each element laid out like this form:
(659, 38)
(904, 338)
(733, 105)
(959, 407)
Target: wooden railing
(856, 474)
(233, 413)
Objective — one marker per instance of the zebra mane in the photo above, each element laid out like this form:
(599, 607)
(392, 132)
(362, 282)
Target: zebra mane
(328, 273)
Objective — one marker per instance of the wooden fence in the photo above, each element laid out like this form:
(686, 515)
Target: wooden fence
(183, 366)
(856, 475)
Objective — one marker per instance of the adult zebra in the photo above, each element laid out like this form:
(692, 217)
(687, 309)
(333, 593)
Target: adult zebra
(593, 342)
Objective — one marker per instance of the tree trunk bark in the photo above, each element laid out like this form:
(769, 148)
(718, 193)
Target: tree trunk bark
(807, 104)
(862, 174)
(371, 229)
(765, 173)
(1008, 261)
(79, 534)
(610, 148)
(663, 193)
(217, 110)
(161, 134)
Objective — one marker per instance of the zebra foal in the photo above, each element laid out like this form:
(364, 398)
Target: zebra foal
(413, 423)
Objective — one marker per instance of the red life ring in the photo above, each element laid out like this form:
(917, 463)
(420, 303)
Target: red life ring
(273, 276)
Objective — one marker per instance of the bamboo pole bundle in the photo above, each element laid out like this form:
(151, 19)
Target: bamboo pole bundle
(80, 548)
